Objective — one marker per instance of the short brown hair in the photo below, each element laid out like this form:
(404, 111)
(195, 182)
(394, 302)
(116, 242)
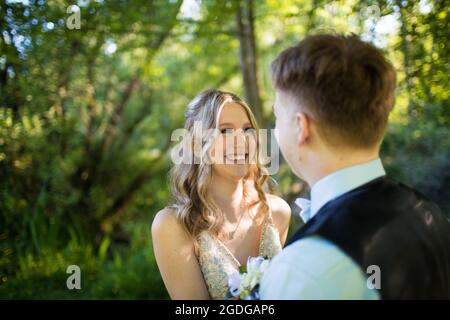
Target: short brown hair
(346, 85)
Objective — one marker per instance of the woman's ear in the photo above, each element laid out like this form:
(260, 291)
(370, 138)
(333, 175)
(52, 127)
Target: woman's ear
(211, 156)
(302, 124)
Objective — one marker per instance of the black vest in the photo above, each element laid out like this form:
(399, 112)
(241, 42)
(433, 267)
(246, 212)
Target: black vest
(387, 224)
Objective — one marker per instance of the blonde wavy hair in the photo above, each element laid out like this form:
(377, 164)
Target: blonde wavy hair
(196, 210)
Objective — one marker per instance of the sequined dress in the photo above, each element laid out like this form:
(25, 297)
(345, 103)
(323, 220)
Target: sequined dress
(217, 262)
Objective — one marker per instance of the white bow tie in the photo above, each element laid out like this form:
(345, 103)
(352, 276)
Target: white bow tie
(305, 205)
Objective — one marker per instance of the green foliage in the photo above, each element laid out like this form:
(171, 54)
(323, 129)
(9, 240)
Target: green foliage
(126, 272)
(418, 155)
(86, 117)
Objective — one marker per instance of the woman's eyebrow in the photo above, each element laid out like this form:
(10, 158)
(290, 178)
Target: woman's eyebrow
(226, 124)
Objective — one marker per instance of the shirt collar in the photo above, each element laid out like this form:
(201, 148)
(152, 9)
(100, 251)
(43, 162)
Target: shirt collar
(343, 181)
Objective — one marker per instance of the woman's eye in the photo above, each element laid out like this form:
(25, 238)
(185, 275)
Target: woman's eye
(226, 131)
(248, 129)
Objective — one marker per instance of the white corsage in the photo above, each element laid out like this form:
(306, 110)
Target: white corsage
(244, 285)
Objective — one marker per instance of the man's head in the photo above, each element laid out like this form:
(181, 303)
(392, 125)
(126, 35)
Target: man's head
(333, 98)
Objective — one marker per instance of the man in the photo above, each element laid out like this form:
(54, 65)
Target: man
(366, 236)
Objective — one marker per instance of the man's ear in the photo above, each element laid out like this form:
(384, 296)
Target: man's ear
(302, 124)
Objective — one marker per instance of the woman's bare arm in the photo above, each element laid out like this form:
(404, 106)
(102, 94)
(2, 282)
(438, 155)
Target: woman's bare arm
(176, 259)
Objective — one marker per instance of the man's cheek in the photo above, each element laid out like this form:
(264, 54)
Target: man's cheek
(277, 134)
(281, 140)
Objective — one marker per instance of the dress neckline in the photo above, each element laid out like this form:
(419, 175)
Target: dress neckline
(231, 255)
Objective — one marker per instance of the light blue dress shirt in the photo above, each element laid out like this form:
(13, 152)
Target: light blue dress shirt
(315, 268)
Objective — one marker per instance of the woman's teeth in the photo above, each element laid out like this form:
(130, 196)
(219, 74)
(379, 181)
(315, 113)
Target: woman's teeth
(233, 157)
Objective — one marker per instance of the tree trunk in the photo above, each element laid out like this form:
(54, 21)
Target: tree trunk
(247, 52)
(311, 24)
(406, 56)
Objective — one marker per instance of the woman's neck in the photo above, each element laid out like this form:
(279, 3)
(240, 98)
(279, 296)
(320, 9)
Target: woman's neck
(228, 195)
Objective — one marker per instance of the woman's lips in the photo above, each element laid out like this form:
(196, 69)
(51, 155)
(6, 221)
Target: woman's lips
(237, 157)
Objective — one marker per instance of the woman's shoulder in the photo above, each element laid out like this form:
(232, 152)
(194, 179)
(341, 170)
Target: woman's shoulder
(281, 215)
(278, 204)
(164, 217)
(166, 222)
(280, 208)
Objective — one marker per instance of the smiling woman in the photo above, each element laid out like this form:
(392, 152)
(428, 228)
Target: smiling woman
(221, 214)
(84, 154)
(237, 144)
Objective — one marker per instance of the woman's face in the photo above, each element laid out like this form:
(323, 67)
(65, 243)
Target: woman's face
(234, 149)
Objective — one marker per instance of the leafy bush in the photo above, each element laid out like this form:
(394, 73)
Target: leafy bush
(418, 154)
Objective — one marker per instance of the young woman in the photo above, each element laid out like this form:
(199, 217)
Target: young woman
(221, 214)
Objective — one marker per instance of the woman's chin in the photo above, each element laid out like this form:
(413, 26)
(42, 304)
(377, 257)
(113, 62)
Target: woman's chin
(234, 171)
(239, 171)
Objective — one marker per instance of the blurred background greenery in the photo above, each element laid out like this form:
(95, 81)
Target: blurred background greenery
(86, 116)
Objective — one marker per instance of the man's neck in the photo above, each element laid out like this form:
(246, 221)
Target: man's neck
(342, 181)
(327, 165)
